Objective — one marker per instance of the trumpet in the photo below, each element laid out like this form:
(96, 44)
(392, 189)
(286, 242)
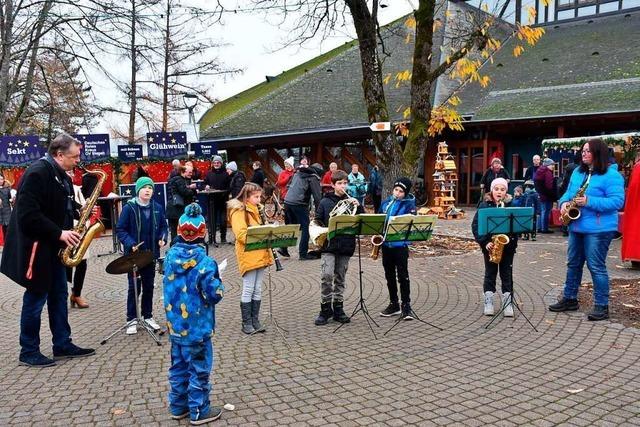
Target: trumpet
(376, 241)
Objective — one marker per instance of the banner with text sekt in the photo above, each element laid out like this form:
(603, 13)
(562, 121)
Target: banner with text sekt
(130, 153)
(95, 146)
(166, 145)
(20, 150)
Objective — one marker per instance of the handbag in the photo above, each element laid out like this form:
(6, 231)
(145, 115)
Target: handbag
(178, 200)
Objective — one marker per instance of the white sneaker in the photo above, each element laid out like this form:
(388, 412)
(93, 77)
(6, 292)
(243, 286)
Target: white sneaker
(488, 303)
(507, 304)
(132, 329)
(152, 324)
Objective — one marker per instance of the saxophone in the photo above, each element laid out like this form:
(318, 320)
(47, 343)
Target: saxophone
(72, 255)
(499, 242)
(572, 212)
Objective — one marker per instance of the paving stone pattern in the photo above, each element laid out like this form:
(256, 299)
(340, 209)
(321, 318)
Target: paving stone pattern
(571, 372)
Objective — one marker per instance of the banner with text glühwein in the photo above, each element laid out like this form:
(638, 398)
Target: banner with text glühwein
(167, 145)
(20, 150)
(95, 146)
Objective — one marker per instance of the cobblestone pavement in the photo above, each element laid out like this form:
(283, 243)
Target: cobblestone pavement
(570, 372)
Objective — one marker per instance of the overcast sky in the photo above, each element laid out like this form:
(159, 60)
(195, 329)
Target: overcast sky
(254, 42)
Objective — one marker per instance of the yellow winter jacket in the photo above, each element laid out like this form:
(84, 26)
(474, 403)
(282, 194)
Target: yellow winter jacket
(243, 216)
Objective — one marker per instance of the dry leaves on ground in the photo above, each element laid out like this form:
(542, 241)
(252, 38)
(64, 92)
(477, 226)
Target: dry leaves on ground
(624, 300)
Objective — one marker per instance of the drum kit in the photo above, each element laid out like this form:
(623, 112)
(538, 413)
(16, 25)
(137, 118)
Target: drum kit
(131, 263)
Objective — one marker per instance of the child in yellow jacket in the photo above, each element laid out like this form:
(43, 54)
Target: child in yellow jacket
(243, 212)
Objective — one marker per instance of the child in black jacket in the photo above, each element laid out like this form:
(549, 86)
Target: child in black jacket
(497, 194)
(335, 255)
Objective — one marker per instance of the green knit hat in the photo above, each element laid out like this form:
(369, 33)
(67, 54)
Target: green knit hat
(142, 182)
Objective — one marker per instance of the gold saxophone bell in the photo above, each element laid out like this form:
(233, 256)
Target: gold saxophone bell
(376, 241)
(71, 256)
(499, 242)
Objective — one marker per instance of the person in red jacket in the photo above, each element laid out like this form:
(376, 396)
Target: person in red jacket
(325, 183)
(284, 178)
(631, 223)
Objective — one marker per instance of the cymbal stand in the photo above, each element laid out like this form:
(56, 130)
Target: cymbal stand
(138, 321)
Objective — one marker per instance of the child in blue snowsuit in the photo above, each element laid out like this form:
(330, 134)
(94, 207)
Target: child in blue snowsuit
(142, 226)
(531, 200)
(192, 288)
(395, 255)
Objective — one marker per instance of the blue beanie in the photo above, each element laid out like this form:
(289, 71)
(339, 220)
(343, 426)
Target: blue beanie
(142, 182)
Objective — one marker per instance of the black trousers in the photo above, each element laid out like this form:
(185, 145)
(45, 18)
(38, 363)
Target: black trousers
(173, 228)
(78, 278)
(506, 271)
(395, 262)
(217, 219)
(377, 201)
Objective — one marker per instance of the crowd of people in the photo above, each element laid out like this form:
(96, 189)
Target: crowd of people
(47, 203)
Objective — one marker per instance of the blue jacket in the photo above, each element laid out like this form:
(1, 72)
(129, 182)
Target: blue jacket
(518, 202)
(132, 227)
(605, 196)
(531, 200)
(192, 288)
(392, 207)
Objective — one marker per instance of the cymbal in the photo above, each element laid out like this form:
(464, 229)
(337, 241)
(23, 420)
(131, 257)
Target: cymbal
(126, 263)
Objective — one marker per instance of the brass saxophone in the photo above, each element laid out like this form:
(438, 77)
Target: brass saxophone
(72, 255)
(572, 212)
(499, 242)
(376, 241)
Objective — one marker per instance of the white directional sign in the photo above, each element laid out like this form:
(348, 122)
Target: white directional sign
(380, 126)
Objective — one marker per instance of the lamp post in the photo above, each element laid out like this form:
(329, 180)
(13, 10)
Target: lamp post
(190, 101)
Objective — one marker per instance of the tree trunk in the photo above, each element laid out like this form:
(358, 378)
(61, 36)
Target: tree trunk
(387, 149)
(165, 76)
(422, 82)
(5, 61)
(132, 91)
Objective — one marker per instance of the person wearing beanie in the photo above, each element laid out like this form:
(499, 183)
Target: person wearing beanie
(284, 179)
(219, 180)
(191, 288)
(395, 255)
(496, 196)
(142, 227)
(496, 170)
(244, 213)
(237, 179)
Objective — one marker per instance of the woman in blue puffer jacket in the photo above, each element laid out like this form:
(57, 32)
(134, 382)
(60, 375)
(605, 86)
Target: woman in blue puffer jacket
(591, 234)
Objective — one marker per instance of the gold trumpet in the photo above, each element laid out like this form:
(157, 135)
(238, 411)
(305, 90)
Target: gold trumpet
(376, 241)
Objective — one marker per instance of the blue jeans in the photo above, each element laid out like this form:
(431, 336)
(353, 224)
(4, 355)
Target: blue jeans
(32, 304)
(189, 379)
(593, 249)
(146, 276)
(545, 215)
(300, 215)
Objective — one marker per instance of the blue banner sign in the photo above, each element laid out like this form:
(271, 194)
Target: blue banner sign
(130, 153)
(204, 149)
(95, 146)
(18, 150)
(167, 145)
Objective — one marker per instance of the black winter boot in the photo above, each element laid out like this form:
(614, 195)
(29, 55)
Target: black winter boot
(338, 313)
(325, 314)
(564, 305)
(247, 325)
(255, 316)
(599, 312)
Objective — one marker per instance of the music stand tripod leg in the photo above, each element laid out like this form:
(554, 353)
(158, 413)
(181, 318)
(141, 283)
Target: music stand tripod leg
(517, 306)
(415, 317)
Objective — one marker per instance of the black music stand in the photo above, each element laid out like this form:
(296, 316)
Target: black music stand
(270, 237)
(113, 207)
(506, 221)
(414, 229)
(358, 225)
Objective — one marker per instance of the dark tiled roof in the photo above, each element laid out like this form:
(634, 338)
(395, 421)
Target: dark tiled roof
(587, 66)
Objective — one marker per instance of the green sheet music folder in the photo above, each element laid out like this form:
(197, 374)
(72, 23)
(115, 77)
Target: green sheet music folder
(271, 236)
(409, 227)
(505, 220)
(354, 225)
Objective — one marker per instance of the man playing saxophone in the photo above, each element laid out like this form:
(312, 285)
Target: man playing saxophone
(335, 254)
(496, 197)
(41, 224)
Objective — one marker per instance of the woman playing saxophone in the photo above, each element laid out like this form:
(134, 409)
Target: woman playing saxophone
(497, 197)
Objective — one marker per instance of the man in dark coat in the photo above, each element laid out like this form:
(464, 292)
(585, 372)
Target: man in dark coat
(304, 184)
(236, 179)
(496, 170)
(258, 174)
(217, 179)
(41, 225)
(180, 193)
(531, 170)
